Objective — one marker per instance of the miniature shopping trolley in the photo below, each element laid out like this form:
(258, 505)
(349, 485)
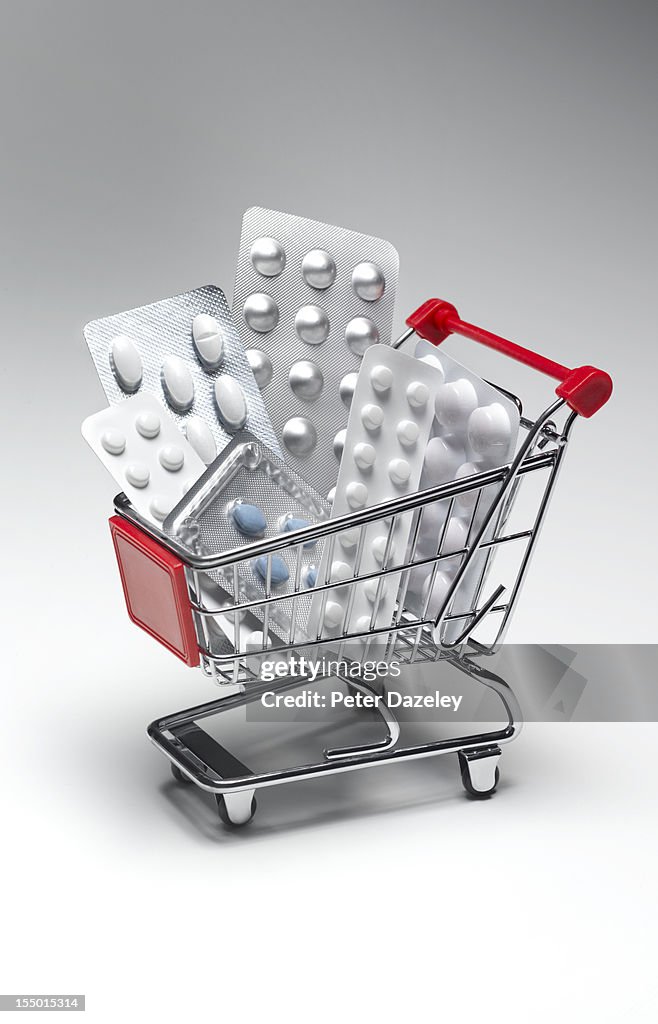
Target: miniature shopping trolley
(167, 594)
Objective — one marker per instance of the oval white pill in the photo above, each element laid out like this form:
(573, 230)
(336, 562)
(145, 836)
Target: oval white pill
(370, 588)
(468, 499)
(340, 571)
(434, 361)
(489, 429)
(348, 539)
(364, 455)
(407, 432)
(362, 624)
(346, 388)
(177, 383)
(113, 441)
(200, 437)
(442, 457)
(379, 548)
(372, 417)
(208, 338)
(137, 474)
(160, 507)
(333, 614)
(339, 443)
(171, 457)
(126, 363)
(356, 494)
(417, 394)
(399, 471)
(148, 424)
(455, 402)
(230, 402)
(381, 378)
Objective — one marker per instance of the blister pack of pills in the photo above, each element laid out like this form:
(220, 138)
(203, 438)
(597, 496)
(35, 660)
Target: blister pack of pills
(309, 300)
(249, 494)
(146, 453)
(186, 351)
(391, 416)
(475, 428)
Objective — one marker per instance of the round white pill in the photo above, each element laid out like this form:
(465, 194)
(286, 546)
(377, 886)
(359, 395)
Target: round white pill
(200, 436)
(435, 596)
(230, 402)
(346, 388)
(261, 312)
(360, 334)
(362, 624)
(333, 614)
(442, 457)
(312, 325)
(318, 269)
(331, 495)
(379, 548)
(267, 257)
(489, 429)
(177, 383)
(340, 571)
(299, 435)
(339, 443)
(137, 474)
(407, 432)
(356, 494)
(148, 424)
(171, 457)
(372, 417)
(434, 361)
(368, 281)
(381, 378)
(468, 499)
(255, 641)
(348, 539)
(160, 507)
(208, 339)
(126, 363)
(261, 366)
(455, 402)
(113, 441)
(399, 471)
(370, 588)
(417, 394)
(364, 455)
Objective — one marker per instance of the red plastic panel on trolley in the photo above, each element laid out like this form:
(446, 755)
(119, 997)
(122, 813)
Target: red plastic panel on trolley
(155, 589)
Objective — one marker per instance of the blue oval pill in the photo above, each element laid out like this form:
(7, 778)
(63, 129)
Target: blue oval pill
(311, 576)
(248, 519)
(278, 570)
(298, 524)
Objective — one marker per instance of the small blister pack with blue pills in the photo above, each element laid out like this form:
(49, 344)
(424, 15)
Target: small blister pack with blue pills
(248, 495)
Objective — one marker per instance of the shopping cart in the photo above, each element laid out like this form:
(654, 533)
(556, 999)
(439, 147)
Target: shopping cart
(166, 594)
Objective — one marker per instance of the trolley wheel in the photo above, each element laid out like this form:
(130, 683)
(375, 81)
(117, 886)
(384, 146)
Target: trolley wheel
(233, 819)
(480, 775)
(179, 775)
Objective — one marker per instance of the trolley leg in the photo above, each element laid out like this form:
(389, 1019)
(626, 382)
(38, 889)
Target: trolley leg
(479, 771)
(236, 809)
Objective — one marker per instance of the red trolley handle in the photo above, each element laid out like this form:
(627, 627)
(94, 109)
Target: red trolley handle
(585, 389)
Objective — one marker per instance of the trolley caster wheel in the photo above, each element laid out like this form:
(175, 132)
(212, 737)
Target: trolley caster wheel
(235, 810)
(479, 772)
(179, 775)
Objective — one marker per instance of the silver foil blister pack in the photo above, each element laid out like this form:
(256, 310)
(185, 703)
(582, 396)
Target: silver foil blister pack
(251, 475)
(152, 349)
(309, 300)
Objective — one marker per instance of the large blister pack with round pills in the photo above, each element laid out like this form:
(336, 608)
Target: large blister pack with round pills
(186, 351)
(250, 494)
(146, 454)
(390, 420)
(309, 300)
(475, 429)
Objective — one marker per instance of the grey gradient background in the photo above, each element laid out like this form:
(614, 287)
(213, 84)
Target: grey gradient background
(508, 150)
